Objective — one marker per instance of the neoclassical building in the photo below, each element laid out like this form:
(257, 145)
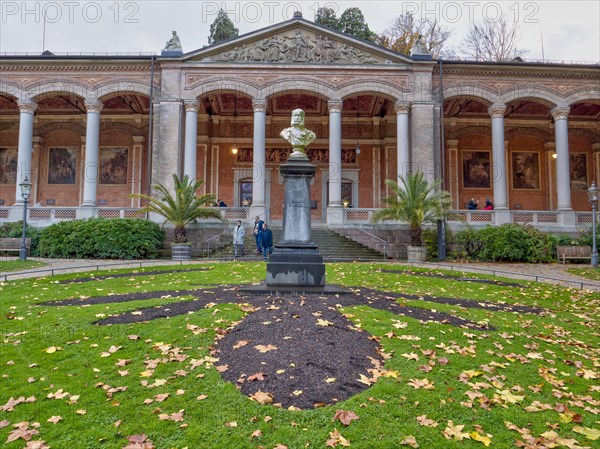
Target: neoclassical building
(88, 131)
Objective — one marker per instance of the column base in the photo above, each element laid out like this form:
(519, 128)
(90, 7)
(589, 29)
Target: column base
(501, 216)
(568, 218)
(85, 211)
(16, 212)
(335, 214)
(259, 210)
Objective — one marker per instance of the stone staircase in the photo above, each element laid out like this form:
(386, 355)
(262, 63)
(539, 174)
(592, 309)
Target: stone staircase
(332, 246)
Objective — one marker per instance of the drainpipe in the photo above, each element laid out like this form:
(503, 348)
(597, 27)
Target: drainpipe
(441, 224)
(151, 116)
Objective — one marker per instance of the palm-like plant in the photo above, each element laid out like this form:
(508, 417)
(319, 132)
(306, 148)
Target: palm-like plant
(414, 202)
(182, 207)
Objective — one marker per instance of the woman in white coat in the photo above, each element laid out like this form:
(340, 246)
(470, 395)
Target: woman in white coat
(239, 232)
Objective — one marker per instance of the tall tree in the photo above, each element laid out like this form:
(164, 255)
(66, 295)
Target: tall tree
(493, 41)
(405, 30)
(326, 16)
(222, 29)
(352, 22)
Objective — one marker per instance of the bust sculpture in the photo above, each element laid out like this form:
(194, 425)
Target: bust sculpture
(173, 44)
(297, 134)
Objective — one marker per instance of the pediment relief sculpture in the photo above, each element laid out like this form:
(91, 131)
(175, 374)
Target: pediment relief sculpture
(298, 46)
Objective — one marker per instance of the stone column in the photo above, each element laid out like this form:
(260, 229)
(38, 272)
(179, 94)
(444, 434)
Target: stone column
(563, 182)
(403, 154)
(258, 207)
(499, 173)
(191, 137)
(92, 139)
(26, 108)
(334, 206)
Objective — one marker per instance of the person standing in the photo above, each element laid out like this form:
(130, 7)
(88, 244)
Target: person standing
(258, 227)
(488, 205)
(472, 204)
(239, 232)
(266, 241)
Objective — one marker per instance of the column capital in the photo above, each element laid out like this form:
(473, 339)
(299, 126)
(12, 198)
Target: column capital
(259, 105)
(191, 105)
(550, 146)
(93, 106)
(402, 107)
(596, 147)
(560, 112)
(335, 105)
(27, 106)
(497, 110)
(452, 144)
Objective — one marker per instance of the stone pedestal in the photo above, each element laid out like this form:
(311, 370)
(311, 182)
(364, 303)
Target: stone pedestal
(296, 260)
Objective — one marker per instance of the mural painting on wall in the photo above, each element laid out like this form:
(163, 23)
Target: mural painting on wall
(62, 165)
(281, 155)
(8, 165)
(578, 171)
(476, 169)
(525, 170)
(113, 165)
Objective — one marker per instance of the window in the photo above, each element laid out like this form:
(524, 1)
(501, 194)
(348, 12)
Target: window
(347, 194)
(245, 193)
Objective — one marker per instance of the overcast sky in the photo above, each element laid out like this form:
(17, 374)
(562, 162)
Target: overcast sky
(570, 29)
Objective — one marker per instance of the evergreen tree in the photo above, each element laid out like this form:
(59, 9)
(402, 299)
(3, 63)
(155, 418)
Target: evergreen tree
(222, 29)
(326, 17)
(352, 22)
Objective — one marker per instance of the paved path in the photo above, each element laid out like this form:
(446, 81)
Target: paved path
(549, 273)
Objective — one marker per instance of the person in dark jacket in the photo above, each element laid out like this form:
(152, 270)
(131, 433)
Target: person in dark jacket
(472, 204)
(258, 227)
(267, 241)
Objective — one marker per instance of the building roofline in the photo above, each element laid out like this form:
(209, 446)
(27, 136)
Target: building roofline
(520, 64)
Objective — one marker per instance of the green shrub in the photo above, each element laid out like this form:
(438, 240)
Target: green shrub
(469, 240)
(586, 238)
(102, 238)
(15, 230)
(508, 243)
(430, 240)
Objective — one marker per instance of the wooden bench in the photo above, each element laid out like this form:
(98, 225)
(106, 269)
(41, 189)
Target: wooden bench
(8, 245)
(573, 252)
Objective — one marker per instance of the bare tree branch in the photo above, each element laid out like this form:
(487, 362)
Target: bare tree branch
(493, 41)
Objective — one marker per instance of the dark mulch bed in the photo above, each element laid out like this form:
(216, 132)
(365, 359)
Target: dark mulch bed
(322, 361)
(454, 278)
(129, 275)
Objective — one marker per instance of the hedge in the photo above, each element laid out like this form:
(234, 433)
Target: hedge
(101, 238)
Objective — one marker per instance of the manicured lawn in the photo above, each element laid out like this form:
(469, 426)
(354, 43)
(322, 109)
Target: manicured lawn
(533, 377)
(17, 265)
(588, 273)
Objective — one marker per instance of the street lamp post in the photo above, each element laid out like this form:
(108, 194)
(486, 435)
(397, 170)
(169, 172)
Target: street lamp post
(593, 197)
(25, 192)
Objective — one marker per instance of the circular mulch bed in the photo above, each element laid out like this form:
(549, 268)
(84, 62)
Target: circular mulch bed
(300, 351)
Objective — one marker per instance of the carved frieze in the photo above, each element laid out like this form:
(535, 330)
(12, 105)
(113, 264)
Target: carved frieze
(297, 46)
(281, 155)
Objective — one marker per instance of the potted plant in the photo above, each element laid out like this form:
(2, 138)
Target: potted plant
(181, 208)
(414, 202)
